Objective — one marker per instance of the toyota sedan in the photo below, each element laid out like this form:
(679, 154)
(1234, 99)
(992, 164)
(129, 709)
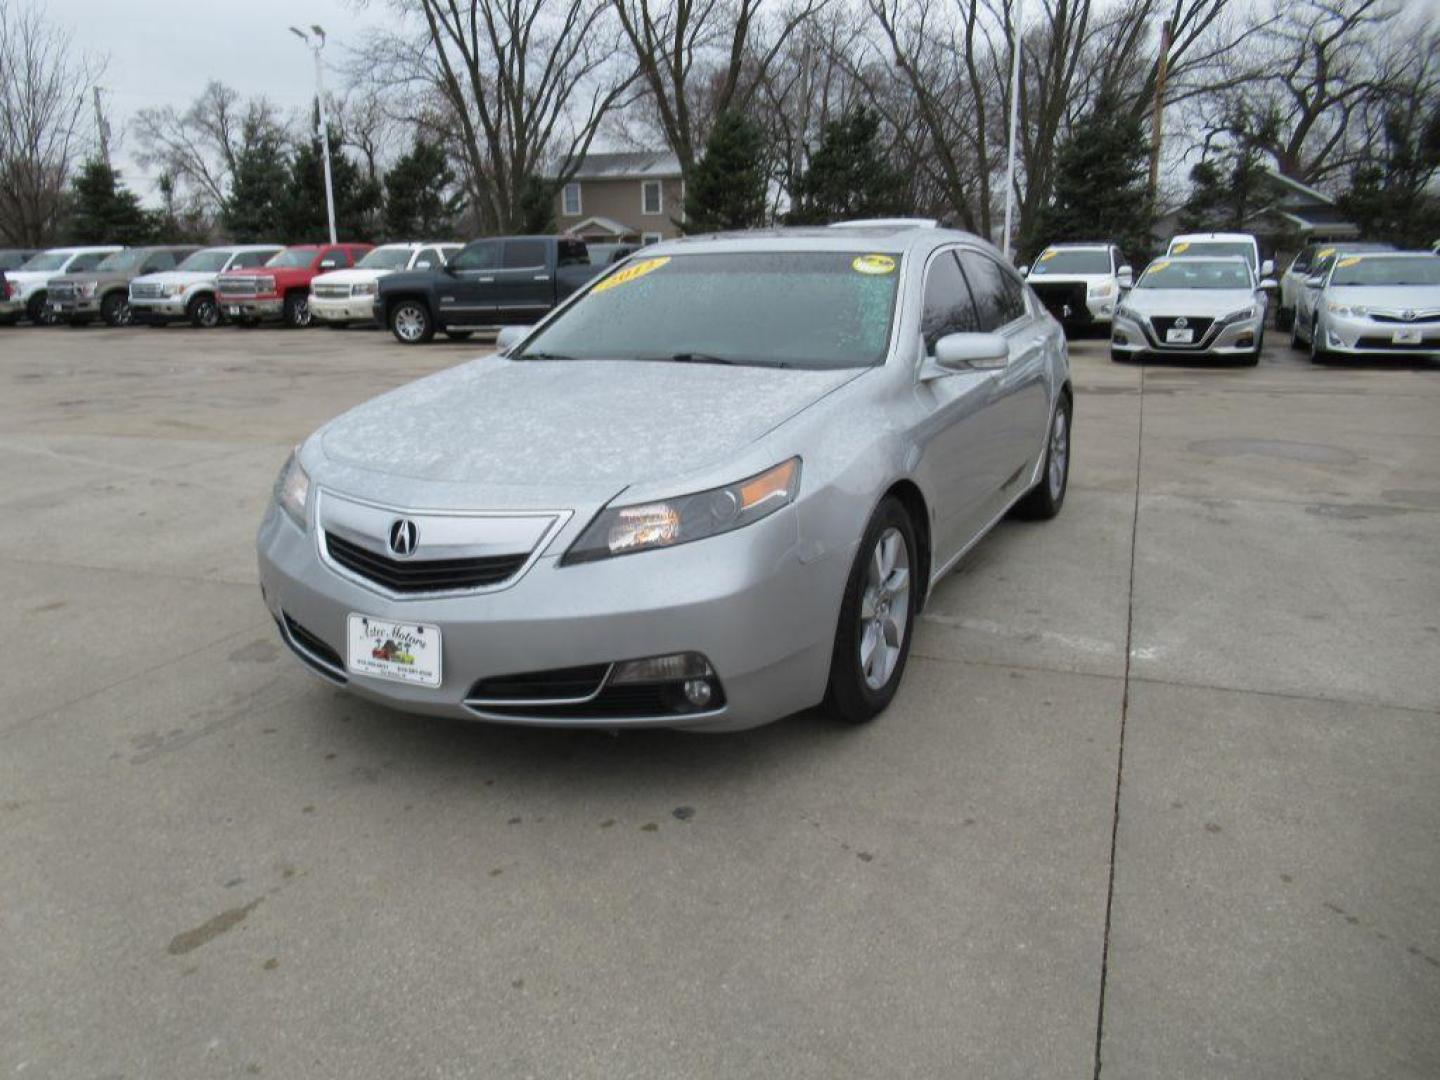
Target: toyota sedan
(1377, 304)
(713, 488)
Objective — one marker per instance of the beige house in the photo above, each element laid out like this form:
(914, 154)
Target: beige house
(635, 198)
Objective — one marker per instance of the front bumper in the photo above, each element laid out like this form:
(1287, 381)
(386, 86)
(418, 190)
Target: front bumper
(1359, 336)
(73, 309)
(1136, 338)
(352, 309)
(744, 600)
(12, 307)
(253, 308)
(141, 310)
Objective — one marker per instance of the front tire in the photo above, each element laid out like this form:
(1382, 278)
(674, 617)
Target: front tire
(203, 312)
(1047, 497)
(877, 616)
(37, 312)
(1318, 355)
(297, 310)
(411, 322)
(115, 309)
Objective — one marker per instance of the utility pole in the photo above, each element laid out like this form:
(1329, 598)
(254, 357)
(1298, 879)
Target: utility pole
(102, 128)
(1014, 122)
(1157, 126)
(315, 45)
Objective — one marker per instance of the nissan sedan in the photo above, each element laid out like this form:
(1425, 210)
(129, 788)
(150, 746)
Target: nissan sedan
(715, 487)
(1206, 306)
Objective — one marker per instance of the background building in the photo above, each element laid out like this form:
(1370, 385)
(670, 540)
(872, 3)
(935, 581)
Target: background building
(623, 198)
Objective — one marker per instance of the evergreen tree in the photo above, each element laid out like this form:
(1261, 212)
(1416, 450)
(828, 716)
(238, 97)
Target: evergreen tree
(103, 210)
(1390, 197)
(420, 197)
(726, 190)
(537, 206)
(1227, 188)
(849, 176)
(253, 211)
(1101, 184)
(302, 209)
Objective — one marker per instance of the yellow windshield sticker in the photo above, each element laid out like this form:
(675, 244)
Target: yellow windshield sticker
(1155, 268)
(630, 273)
(873, 264)
(1351, 261)
(1180, 248)
(1046, 256)
(1325, 253)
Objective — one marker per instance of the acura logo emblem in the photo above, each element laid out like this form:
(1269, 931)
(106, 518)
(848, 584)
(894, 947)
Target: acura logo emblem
(1181, 323)
(403, 537)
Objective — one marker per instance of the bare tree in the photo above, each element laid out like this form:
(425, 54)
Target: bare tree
(522, 85)
(199, 147)
(44, 93)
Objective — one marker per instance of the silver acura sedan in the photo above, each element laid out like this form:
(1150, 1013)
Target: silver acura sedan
(1193, 306)
(713, 488)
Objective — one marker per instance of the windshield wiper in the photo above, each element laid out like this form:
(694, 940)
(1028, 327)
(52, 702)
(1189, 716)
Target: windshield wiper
(708, 358)
(543, 356)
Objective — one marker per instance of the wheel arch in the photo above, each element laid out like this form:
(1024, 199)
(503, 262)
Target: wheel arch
(908, 494)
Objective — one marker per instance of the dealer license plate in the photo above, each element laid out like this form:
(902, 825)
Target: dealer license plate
(1179, 337)
(233, 310)
(1410, 335)
(401, 652)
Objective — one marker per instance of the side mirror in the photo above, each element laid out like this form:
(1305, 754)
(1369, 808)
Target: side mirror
(1024, 271)
(982, 352)
(1267, 268)
(1126, 277)
(509, 337)
(1269, 283)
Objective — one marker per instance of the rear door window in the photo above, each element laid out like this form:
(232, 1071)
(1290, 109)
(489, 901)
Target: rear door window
(429, 259)
(247, 259)
(161, 260)
(949, 308)
(482, 256)
(524, 255)
(87, 261)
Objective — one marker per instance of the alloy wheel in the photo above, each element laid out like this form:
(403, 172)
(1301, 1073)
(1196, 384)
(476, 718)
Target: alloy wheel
(207, 313)
(884, 609)
(1059, 453)
(409, 323)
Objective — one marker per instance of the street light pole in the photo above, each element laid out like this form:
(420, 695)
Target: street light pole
(1014, 124)
(315, 46)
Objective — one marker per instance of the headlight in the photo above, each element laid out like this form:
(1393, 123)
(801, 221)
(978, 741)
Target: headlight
(88, 289)
(173, 290)
(1103, 289)
(1345, 309)
(1239, 316)
(626, 529)
(292, 488)
(364, 288)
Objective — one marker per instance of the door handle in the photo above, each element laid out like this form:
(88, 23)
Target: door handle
(541, 277)
(486, 280)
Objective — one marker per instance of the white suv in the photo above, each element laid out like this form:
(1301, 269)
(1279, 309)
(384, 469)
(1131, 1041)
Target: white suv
(188, 291)
(25, 288)
(342, 297)
(1080, 284)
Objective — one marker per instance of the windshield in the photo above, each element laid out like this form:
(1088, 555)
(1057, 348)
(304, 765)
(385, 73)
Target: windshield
(122, 260)
(820, 309)
(1380, 270)
(294, 257)
(47, 260)
(1072, 262)
(386, 259)
(1194, 274)
(201, 261)
(1215, 247)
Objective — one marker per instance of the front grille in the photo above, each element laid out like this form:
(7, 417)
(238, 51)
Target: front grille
(1430, 344)
(313, 651)
(560, 684)
(246, 286)
(1420, 316)
(1057, 297)
(423, 575)
(331, 292)
(146, 290)
(1164, 324)
(62, 290)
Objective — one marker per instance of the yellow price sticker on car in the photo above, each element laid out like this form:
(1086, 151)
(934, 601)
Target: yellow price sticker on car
(1325, 254)
(1161, 265)
(1046, 256)
(630, 273)
(1351, 261)
(873, 264)
(1180, 248)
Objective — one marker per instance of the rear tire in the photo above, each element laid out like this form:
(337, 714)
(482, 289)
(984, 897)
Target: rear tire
(877, 616)
(203, 312)
(115, 309)
(1047, 497)
(411, 322)
(297, 310)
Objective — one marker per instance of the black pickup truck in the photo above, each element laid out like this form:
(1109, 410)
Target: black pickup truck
(499, 281)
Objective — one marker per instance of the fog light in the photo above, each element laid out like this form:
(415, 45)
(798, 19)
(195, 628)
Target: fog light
(698, 692)
(671, 668)
(1119, 338)
(1245, 339)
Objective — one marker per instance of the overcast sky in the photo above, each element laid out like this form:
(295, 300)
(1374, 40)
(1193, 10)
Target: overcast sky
(163, 53)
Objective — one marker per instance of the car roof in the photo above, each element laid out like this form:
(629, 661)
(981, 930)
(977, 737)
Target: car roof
(1238, 237)
(1082, 245)
(84, 249)
(1203, 258)
(1392, 254)
(884, 237)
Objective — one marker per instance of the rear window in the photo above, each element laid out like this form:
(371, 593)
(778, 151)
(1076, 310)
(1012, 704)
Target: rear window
(811, 309)
(524, 254)
(1191, 248)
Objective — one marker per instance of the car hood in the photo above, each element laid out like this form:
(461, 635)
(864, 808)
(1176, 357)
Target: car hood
(29, 277)
(178, 277)
(1210, 303)
(1401, 297)
(556, 425)
(350, 276)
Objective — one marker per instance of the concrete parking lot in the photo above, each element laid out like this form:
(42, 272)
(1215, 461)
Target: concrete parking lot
(1158, 797)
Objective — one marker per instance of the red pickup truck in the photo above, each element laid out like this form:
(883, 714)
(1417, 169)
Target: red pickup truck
(281, 288)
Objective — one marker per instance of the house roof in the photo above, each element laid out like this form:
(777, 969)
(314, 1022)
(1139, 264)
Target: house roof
(604, 224)
(1302, 189)
(646, 164)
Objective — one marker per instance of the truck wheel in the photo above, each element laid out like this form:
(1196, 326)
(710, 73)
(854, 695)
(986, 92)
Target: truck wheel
(37, 312)
(297, 310)
(411, 323)
(115, 309)
(203, 311)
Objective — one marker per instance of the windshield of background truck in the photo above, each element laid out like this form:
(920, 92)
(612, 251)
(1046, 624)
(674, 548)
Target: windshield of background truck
(294, 258)
(1071, 262)
(385, 259)
(1215, 247)
(203, 262)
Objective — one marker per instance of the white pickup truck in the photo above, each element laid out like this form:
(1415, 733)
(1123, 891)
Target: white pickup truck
(25, 288)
